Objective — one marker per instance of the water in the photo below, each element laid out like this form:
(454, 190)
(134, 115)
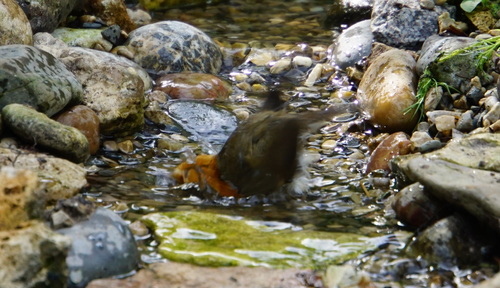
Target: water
(341, 199)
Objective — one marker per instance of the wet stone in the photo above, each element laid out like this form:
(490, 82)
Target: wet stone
(352, 45)
(86, 121)
(33, 126)
(102, 247)
(193, 86)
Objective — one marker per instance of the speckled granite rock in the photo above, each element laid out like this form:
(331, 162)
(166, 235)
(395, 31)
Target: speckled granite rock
(34, 77)
(172, 46)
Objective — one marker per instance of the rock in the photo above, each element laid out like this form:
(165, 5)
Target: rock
(454, 240)
(345, 276)
(37, 128)
(114, 86)
(483, 20)
(419, 138)
(435, 45)
(403, 23)
(139, 17)
(21, 198)
(353, 45)
(34, 77)
(193, 86)
(102, 247)
(86, 121)
(394, 145)
(171, 46)
(387, 89)
(182, 275)
(33, 256)
(417, 208)
(86, 38)
(46, 15)
(471, 189)
(15, 27)
(111, 12)
(347, 12)
(170, 4)
(209, 239)
(445, 123)
(59, 178)
(204, 122)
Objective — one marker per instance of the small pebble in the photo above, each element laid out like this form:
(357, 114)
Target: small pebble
(314, 75)
(138, 228)
(444, 123)
(302, 61)
(329, 144)
(126, 147)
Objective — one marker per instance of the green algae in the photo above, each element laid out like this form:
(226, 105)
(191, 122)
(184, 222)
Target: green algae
(209, 239)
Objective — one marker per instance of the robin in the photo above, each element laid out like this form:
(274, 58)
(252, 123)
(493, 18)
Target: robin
(264, 155)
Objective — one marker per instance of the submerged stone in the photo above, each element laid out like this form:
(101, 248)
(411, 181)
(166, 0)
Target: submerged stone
(210, 239)
(193, 86)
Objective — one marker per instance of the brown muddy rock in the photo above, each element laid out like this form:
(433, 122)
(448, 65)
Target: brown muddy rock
(193, 86)
(387, 89)
(21, 198)
(59, 178)
(416, 208)
(86, 121)
(394, 145)
(15, 27)
(185, 275)
(111, 12)
(33, 256)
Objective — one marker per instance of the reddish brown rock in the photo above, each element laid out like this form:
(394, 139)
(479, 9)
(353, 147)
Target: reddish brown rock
(111, 12)
(180, 275)
(392, 146)
(84, 119)
(193, 86)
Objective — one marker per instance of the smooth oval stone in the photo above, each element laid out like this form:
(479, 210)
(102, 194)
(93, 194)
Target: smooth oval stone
(84, 119)
(193, 86)
(103, 246)
(394, 145)
(353, 45)
(14, 25)
(36, 127)
(387, 88)
(36, 78)
(203, 121)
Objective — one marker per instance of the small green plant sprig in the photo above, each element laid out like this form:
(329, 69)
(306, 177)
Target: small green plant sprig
(485, 49)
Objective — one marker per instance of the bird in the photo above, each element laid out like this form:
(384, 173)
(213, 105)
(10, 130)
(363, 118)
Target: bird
(263, 156)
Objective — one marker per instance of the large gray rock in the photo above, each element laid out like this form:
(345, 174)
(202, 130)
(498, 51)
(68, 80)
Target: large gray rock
(113, 85)
(37, 128)
(172, 46)
(403, 23)
(14, 25)
(34, 77)
(352, 45)
(33, 257)
(102, 247)
(46, 15)
(466, 174)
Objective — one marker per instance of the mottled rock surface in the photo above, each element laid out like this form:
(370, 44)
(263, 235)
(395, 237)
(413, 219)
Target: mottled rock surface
(193, 86)
(172, 46)
(60, 178)
(102, 247)
(34, 77)
(46, 15)
(35, 127)
(14, 25)
(33, 256)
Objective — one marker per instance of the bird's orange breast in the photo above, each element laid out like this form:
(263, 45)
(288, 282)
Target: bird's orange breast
(205, 172)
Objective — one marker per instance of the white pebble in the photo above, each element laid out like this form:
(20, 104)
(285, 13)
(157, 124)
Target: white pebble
(302, 61)
(445, 123)
(314, 75)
